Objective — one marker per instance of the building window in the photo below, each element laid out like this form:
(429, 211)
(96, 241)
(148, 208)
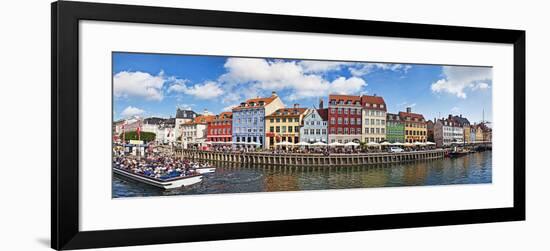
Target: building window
(332, 121)
(339, 121)
(290, 129)
(345, 130)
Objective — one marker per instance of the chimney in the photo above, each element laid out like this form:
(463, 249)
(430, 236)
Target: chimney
(460, 116)
(409, 109)
(450, 116)
(320, 103)
(273, 94)
(296, 105)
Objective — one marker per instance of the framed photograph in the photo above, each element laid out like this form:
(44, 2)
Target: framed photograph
(179, 125)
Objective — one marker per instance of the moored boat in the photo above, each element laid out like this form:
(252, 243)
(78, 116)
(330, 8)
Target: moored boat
(164, 183)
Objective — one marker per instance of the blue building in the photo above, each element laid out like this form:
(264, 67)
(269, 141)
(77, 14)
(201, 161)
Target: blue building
(249, 119)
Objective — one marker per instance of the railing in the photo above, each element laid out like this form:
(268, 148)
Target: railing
(315, 159)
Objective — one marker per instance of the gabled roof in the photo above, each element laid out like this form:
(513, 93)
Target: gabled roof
(290, 112)
(345, 98)
(460, 120)
(366, 99)
(255, 102)
(204, 119)
(411, 115)
(323, 113)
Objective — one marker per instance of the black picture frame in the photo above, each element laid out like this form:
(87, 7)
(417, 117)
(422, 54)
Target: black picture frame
(65, 233)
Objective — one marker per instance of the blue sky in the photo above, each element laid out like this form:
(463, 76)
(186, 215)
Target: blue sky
(156, 84)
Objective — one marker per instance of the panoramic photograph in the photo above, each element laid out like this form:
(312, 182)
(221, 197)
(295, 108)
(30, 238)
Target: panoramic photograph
(203, 124)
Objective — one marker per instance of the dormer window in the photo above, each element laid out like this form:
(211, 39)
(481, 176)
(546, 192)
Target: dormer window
(375, 105)
(381, 106)
(368, 104)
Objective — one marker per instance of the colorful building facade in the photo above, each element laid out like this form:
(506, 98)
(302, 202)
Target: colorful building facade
(395, 128)
(373, 118)
(345, 115)
(219, 129)
(415, 126)
(315, 126)
(249, 119)
(193, 133)
(284, 125)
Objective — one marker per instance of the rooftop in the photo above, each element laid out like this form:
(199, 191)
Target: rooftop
(288, 112)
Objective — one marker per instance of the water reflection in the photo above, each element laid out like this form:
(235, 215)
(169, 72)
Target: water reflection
(233, 178)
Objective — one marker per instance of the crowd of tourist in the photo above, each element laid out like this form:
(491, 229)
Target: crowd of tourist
(159, 166)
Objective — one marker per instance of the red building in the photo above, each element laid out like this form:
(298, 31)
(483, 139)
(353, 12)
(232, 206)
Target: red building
(219, 129)
(344, 118)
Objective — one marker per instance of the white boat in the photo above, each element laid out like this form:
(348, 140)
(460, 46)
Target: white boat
(203, 170)
(160, 183)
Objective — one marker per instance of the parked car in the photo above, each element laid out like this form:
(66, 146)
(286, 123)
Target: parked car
(395, 149)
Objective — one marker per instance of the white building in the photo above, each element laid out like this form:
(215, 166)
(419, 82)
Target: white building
(374, 119)
(315, 126)
(447, 132)
(193, 133)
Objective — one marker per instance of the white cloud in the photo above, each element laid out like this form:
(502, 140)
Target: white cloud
(287, 75)
(455, 109)
(351, 85)
(185, 106)
(480, 86)
(309, 66)
(138, 84)
(131, 111)
(206, 90)
(229, 107)
(362, 69)
(458, 79)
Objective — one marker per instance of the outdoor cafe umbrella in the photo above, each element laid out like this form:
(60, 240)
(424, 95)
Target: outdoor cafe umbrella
(284, 143)
(372, 144)
(408, 144)
(397, 144)
(416, 143)
(385, 143)
(430, 143)
(351, 143)
(319, 144)
(303, 143)
(335, 144)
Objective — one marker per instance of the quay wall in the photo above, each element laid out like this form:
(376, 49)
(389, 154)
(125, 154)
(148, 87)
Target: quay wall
(297, 159)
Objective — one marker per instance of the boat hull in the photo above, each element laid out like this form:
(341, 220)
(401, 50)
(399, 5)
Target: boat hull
(205, 170)
(164, 184)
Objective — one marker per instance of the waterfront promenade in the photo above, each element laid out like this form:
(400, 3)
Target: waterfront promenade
(310, 159)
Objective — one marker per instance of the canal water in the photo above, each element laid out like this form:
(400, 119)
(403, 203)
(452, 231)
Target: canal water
(474, 168)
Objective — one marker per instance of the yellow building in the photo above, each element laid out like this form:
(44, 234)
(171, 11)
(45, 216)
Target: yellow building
(415, 126)
(479, 133)
(467, 132)
(284, 125)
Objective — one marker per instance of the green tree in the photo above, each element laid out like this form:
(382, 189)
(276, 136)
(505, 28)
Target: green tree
(145, 136)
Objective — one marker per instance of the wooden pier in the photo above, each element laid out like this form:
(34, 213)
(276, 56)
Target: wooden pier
(311, 159)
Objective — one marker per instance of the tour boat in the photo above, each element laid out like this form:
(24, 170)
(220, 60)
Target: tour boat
(164, 183)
